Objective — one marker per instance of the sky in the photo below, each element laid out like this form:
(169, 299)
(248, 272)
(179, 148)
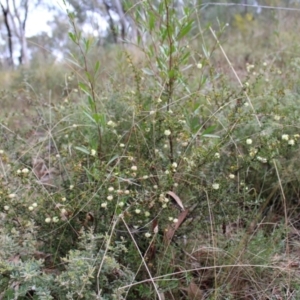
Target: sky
(37, 22)
(38, 18)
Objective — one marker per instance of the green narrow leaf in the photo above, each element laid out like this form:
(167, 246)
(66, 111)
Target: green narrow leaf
(184, 58)
(206, 53)
(96, 118)
(171, 74)
(139, 39)
(164, 33)
(112, 159)
(100, 119)
(84, 87)
(91, 102)
(164, 51)
(97, 66)
(87, 44)
(148, 71)
(72, 36)
(186, 11)
(89, 76)
(173, 49)
(151, 20)
(203, 80)
(185, 30)
(83, 150)
(170, 30)
(161, 64)
(194, 124)
(209, 130)
(161, 8)
(73, 61)
(90, 117)
(187, 67)
(71, 16)
(151, 51)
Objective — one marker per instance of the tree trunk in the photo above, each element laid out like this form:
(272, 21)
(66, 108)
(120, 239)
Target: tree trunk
(20, 31)
(121, 14)
(9, 35)
(111, 23)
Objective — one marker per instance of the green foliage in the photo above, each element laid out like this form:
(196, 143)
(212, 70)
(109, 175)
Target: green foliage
(153, 175)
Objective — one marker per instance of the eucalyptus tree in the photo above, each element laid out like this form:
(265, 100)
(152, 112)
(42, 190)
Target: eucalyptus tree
(113, 12)
(15, 15)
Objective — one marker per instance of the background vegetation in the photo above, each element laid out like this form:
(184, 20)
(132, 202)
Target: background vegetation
(165, 168)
